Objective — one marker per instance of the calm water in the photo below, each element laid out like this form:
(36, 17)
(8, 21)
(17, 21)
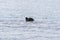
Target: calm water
(14, 29)
(45, 27)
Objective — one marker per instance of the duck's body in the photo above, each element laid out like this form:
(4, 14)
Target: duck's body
(29, 19)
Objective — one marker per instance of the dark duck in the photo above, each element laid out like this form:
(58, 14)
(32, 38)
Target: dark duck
(29, 19)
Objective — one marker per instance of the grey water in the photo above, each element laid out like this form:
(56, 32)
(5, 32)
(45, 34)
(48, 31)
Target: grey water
(22, 30)
(46, 14)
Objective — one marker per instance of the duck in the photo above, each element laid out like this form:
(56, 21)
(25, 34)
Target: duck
(29, 19)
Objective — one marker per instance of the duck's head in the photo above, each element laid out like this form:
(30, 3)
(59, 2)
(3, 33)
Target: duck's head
(26, 17)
